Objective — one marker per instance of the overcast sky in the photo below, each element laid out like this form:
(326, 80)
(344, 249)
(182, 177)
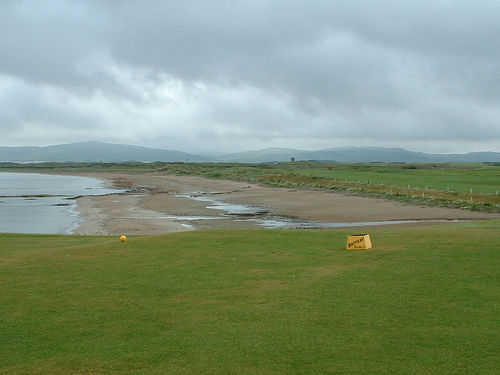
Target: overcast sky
(238, 75)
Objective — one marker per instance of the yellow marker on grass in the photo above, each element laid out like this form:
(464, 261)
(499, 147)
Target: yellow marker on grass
(123, 238)
(359, 242)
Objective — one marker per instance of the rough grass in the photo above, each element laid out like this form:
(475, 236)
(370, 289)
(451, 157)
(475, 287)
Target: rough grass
(424, 301)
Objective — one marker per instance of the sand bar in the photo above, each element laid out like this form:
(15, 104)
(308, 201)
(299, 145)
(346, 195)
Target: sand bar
(154, 206)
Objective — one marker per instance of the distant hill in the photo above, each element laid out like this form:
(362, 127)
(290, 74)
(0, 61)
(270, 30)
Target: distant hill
(368, 154)
(107, 152)
(471, 157)
(93, 152)
(346, 154)
(358, 155)
(260, 156)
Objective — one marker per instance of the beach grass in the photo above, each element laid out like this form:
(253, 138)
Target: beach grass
(425, 300)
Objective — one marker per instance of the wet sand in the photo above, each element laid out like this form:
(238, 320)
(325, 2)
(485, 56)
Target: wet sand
(154, 202)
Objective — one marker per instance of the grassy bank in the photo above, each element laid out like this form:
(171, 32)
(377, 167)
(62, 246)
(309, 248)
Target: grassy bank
(468, 186)
(425, 301)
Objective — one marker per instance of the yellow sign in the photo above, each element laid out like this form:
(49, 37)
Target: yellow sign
(123, 238)
(359, 242)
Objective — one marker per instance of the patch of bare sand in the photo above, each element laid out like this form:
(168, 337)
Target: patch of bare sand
(146, 214)
(116, 214)
(309, 204)
(334, 207)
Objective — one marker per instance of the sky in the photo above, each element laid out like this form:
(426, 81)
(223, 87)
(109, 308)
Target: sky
(230, 75)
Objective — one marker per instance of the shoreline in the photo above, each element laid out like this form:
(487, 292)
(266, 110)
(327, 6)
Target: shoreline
(121, 214)
(156, 203)
(154, 206)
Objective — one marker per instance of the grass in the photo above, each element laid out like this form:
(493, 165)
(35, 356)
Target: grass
(468, 186)
(424, 301)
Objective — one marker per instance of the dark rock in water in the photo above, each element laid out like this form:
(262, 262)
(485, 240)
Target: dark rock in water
(61, 205)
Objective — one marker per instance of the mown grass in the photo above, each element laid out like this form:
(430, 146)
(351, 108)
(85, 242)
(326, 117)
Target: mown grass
(424, 301)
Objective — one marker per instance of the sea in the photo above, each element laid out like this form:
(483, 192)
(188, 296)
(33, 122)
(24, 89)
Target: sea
(41, 203)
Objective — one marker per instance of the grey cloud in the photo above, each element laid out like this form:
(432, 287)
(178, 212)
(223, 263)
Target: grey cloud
(341, 52)
(26, 104)
(44, 43)
(391, 71)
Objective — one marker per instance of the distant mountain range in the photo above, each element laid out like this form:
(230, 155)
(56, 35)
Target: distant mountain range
(359, 155)
(92, 152)
(107, 152)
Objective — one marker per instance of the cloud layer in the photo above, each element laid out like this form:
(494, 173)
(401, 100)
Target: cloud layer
(231, 75)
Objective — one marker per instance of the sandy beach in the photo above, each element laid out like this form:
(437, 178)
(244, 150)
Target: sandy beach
(158, 204)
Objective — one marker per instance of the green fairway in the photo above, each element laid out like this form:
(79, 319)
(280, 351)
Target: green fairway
(424, 301)
(460, 178)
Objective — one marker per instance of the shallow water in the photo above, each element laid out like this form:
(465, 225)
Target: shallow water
(39, 203)
(228, 208)
(264, 218)
(295, 224)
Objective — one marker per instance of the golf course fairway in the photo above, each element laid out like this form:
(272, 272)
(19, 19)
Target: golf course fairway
(424, 300)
